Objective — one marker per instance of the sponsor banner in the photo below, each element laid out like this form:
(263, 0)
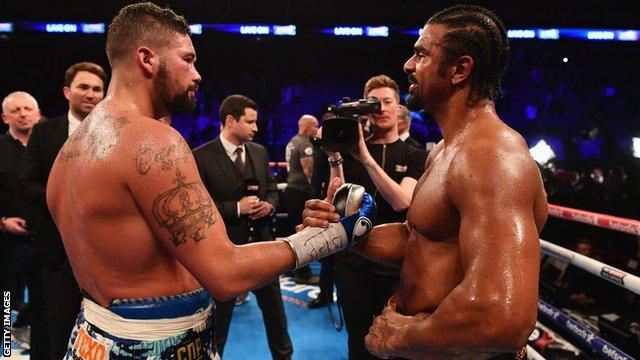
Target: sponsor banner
(601, 220)
(613, 275)
(297, 294)
(581, 332)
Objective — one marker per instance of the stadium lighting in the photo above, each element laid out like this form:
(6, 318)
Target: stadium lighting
(542, 152)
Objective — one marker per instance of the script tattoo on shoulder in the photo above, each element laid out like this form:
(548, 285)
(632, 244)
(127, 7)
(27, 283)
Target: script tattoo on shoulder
(165, 158)
(185, 211)
(96, 138)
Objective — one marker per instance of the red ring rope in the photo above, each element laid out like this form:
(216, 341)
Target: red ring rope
(601, 220)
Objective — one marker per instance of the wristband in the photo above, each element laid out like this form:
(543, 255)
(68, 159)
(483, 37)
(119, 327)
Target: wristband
(333, 163)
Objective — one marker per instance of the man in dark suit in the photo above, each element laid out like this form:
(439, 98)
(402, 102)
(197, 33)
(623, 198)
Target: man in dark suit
(83, 88)
(20, 112)
(236, 173)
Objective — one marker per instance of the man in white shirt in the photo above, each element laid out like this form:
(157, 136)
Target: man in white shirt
(236, 173)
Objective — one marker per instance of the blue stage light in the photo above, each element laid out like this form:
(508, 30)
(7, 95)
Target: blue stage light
(548, 34)
(521, 34)
(97, 28)
(377, 31)
(286, 30)
(255, 30)
(348, 31)
(195, 29)
(6, 27)
(61, 27)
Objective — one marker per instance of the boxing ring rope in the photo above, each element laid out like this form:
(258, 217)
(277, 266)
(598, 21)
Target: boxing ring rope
(533, 354)
(564, 321)
(597, 268)
(619, 277)
(600, 220)
(581, 332)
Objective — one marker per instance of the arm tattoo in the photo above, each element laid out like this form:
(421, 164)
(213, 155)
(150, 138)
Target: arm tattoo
(184, 211)
(165, 157)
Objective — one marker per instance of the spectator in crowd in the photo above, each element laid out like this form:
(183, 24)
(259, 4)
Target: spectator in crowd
(83, 88)
(299, 156)
(404, 126)
(20, 112)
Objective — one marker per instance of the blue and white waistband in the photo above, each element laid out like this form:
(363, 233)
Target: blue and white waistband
(161, 307)
(151, 319)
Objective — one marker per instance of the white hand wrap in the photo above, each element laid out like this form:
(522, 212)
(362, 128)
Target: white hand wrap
(314, 243)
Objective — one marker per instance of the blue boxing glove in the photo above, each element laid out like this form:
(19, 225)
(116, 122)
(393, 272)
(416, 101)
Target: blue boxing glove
(357, 209)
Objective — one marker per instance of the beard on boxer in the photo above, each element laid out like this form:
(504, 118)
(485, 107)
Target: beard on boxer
(180, 103)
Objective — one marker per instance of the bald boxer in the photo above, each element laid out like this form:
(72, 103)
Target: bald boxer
(143, 236)
(469, 250)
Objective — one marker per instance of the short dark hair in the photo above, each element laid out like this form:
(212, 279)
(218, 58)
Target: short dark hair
(235, 105)
(71, 72)
(381, 81)
(479, 33)
(141, 23)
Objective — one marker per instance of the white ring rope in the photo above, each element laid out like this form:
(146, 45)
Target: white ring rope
(532, 354)
(602, 270)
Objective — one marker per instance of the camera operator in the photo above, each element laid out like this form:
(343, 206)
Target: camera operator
(389, 169)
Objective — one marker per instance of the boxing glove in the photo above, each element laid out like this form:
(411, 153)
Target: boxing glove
(357, 210)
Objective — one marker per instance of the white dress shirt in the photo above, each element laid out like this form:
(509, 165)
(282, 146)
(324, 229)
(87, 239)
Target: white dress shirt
(230, 149)
(74, 122)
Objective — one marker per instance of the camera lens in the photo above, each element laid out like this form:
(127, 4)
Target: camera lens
(340, 134)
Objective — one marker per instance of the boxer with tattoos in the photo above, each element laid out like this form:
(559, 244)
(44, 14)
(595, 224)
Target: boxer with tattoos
(144, 238)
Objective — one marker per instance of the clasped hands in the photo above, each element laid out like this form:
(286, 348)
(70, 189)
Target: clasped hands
(254, 207)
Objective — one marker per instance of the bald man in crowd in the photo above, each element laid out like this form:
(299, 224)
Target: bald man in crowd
(299, 157)
(20, 112)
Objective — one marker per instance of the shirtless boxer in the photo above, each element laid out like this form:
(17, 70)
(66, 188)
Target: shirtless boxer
(469, 251)
(142, 234)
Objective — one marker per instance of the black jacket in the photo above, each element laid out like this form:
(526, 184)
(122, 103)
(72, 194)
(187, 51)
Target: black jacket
(218, 177)
(47, 138)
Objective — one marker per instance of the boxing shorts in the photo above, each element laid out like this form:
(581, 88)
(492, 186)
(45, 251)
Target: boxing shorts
(168, 327)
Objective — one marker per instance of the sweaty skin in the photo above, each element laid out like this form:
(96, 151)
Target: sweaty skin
(469, 250)
(114, 191)
(135, 219)
(471, 257)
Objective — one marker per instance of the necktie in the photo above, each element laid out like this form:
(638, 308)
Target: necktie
(239, 163)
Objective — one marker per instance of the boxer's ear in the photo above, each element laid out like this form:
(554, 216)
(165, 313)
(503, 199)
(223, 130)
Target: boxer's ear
(461, 69)
(147, 60)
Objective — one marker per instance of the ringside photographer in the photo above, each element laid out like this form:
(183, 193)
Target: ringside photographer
(389, 169)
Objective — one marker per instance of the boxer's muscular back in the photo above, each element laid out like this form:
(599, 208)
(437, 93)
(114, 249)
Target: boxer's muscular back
(113, 252)
(475, 218)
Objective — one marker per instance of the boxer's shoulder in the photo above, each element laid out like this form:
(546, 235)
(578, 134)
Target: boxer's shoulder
(492, 166)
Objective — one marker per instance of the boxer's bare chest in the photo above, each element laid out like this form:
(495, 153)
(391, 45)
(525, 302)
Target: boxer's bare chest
(431, 266)
(432, 214)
